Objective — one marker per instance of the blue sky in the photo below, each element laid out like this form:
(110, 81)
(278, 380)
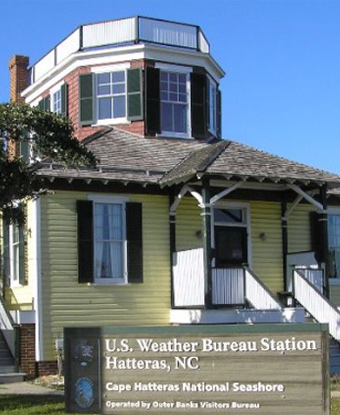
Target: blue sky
(281, 92)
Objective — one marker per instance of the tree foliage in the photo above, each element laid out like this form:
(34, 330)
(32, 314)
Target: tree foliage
(51, 136)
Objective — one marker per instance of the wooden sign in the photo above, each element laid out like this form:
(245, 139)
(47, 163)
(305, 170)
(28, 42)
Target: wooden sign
(215, 370)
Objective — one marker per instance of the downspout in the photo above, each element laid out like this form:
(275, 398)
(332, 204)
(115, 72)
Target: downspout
(206, 214)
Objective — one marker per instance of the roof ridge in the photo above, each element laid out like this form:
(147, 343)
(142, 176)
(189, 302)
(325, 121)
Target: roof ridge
(220, 147)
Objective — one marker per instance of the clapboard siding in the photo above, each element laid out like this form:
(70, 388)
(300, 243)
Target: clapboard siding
(334, 291)
(299, 233)
(68, 303)
(267, 261)
(188, 222)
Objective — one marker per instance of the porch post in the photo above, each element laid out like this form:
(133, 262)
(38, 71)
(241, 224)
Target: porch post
(206, 214)
(172, 225)
(284, 226)
(324, 236)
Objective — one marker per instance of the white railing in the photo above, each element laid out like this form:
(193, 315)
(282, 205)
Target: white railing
(188, 278)
(227, 286)
(294, 260)
(114, 32)
(258, 295)
(8, 327)
(316, 304)
(314, 276)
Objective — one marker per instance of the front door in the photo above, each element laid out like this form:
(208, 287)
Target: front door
(230, 253)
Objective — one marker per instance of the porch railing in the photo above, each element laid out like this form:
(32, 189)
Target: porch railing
(315, 276)
(188, 278)
(228, 286)
(316, 303)
(10, 331)
(257, 293)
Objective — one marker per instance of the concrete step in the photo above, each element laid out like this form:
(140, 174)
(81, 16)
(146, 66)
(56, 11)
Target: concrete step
(12, 377)
(7, 369)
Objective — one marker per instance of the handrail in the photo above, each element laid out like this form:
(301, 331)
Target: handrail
(316, 303)
(258, 294)
(10, 331)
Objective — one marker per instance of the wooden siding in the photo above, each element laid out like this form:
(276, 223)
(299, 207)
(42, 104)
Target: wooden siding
(267, 261)
(334, 292)
(188, 223)
(67, 303)
(299, 234)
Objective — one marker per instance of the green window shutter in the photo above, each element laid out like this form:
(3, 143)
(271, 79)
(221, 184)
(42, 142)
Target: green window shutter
(134, 235)
(47, 103)
(134, 94)
(85, 241)
(198, 105)
(218, 114)
(22, 261)
(64, 100)
(86, 99)
(153, 105)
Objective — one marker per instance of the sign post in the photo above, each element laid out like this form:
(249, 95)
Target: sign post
(215, 370)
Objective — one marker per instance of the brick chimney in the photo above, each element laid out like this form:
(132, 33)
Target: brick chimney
(18, 77)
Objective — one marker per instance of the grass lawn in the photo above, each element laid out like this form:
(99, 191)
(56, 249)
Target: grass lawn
(54, 405)
(31, 405)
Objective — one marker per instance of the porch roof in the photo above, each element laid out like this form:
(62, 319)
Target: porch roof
(127, 157)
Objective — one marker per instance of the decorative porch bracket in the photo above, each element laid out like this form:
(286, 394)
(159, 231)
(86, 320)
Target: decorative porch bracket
(185, 189)
(225, 192)
(302, 195)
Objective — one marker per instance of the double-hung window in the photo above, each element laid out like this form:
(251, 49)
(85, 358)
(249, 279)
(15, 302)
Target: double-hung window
(110, 241)
(56, 102)
(13, 254)
(111, 95)
(14, 247)
(174, 98)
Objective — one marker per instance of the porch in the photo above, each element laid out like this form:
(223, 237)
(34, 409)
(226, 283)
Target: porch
(234, 295)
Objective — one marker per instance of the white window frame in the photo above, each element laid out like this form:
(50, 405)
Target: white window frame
(109, 69)
(96, 199)
(245, 207)
(14, 263)
(179, 70)
(53, 92)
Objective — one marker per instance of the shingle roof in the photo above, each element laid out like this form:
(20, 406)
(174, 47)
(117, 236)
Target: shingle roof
(127, 157)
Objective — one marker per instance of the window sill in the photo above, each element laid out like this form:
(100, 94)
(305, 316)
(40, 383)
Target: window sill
(15, 285)
(174, 135)
(98, 283)
(111, 121)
